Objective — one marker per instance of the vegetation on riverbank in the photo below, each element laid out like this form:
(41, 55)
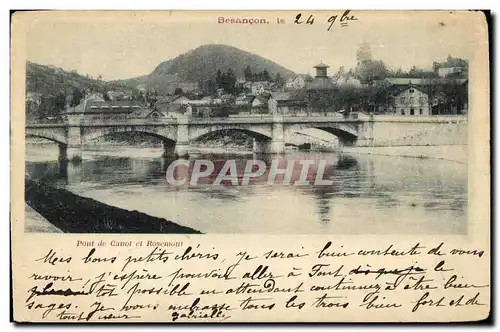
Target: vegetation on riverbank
(75, 214)
(222, 138)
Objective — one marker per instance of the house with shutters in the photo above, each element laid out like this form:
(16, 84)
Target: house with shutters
(411, 100)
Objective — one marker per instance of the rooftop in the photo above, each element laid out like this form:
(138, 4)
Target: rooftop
(321, 65)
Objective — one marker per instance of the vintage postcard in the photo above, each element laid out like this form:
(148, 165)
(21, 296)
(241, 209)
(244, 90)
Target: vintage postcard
(250, 166)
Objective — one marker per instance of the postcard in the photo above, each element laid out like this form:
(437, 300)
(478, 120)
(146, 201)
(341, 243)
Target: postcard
(250, 166)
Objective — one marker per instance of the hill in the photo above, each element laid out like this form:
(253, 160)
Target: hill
(49, 89)
(51, 80)
(201, 64)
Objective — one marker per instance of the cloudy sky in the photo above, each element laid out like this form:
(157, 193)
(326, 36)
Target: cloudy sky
(126, 45)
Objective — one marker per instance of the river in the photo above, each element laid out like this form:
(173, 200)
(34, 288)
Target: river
(369, 194)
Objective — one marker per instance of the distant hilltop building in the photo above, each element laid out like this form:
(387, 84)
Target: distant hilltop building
(453, 67)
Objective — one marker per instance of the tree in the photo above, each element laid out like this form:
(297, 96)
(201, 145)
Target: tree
(350, 98)
(76, 98)
(46, 107)
(31, 109)
(60, 102)
(364, 53)
(371, 70)
(340, 73)
(228, 81)
(136, 95)
(209, 87)
(218, 79)
(435, 67)
(265, 75)
(319, 100)
(248, 73)
(279, 80)
(446, 96)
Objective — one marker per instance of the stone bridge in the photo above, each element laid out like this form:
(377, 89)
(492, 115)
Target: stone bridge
(270, 132)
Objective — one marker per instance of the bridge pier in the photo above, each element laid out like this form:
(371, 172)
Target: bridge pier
(67, 153)
(259, 147)
(277, 143)
(181, 149)
(276, 146)
(182, 144)
(272, 146)
(168, 149)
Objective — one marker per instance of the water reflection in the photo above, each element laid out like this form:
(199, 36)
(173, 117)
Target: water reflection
(368, 194)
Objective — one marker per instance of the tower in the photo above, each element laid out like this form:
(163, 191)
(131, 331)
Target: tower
(321, 81)
(321, 70)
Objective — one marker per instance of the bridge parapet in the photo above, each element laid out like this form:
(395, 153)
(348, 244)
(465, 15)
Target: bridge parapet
(421, 118)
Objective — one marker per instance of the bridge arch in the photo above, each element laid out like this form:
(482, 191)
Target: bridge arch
(53, 137)
(345, 137)
(258, 135)
(162, 135)
(346, 133)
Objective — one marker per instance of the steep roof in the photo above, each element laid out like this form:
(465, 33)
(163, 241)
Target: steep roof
(411, 86)
(168, 99)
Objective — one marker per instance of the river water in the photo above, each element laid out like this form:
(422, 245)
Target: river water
(369, 194)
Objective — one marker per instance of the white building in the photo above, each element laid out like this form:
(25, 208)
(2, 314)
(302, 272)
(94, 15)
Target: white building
(299, 82)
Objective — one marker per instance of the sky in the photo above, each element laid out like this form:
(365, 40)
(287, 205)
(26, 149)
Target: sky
(124, 45)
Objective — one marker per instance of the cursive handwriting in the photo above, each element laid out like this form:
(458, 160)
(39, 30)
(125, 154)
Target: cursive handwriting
(203, 283)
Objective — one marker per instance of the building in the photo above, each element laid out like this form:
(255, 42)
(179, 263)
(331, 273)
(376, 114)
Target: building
(241, 100)
(437, 103)
(455, 67)
(300, 81)
(118, 95)
(321, 80)
(181, 100)
(240, 82)
(34, 97)
(321, 70)
(284, 103)
(94, 108)
(445, 71)
(188, 86)
(259, 88)
(411, 100)
(260, 101)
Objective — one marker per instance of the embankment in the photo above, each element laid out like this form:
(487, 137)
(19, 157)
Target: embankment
(456, 153)
(75, 214)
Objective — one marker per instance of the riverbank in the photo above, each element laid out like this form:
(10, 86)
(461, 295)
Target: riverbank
(71, 213)
(456, 153)
(34, 222)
